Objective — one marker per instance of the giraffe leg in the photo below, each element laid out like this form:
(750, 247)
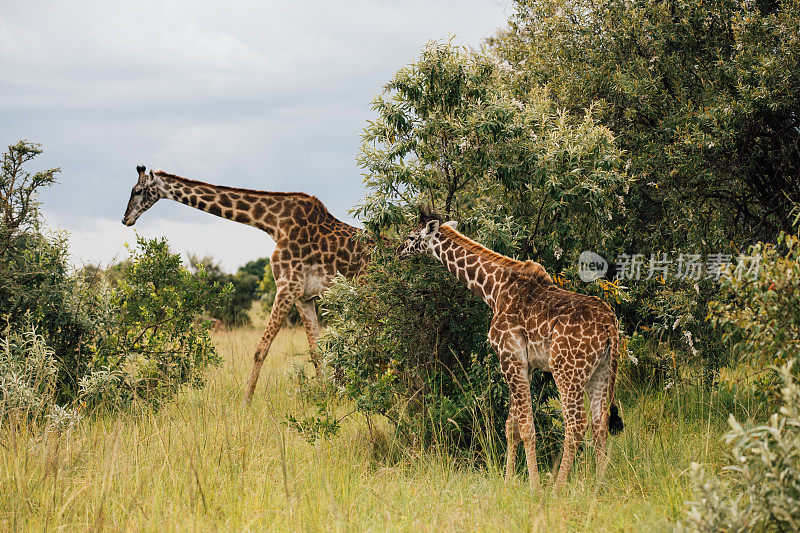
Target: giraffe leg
(308, 313)
(574, 428)
(599, 389)
(599, 406)
(522, 418)
(284, 299)
(511, 350)
(512, 438)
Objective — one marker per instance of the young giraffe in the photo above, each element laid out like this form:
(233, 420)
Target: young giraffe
(536, 325)
(312, 245)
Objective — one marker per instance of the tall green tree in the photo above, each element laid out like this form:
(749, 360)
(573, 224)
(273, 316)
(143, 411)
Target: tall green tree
(35, 286)
(408, 340)
(524, 177)
(19, 207)
(702, 96)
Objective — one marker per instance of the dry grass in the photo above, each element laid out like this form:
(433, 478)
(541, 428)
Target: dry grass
(208, 462)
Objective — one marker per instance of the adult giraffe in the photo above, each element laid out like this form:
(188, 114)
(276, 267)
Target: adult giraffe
(535, 325)
(312, 245)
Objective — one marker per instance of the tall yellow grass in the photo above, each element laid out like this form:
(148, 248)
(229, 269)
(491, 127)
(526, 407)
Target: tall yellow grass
(209, 462)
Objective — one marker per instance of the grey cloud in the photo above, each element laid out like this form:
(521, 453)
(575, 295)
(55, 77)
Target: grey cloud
(269, 95)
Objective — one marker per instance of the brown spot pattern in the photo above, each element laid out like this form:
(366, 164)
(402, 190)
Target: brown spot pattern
(305, 233)
(537, 325)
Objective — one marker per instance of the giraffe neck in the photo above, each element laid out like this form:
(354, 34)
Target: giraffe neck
(268, 211)
(465, 264)
(481, 269)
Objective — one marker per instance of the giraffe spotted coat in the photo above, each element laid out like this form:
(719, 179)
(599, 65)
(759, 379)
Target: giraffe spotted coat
(536, 325)
(311, 244)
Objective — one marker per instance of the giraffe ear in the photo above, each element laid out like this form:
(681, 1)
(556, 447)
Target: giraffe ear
(453, 224)
(430, 228)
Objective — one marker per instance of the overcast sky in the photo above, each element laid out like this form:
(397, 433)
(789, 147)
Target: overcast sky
(256, 94)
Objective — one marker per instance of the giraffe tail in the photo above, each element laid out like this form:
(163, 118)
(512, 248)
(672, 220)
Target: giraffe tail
(615, 424)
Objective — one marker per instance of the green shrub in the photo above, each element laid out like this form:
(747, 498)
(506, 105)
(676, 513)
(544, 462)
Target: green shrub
(760, 487)
(408, 341)
(36, 288)
(760, 314)
(28, 375)
(150, 346)
(140, 343)
(66, 339)
(520, 175)
(698, 95)
(29, 379)
(672, 338)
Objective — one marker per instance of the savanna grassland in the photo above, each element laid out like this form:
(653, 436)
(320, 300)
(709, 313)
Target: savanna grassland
(207, 461)
(632, 130)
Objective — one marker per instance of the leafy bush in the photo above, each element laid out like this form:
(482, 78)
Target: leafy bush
(67, 340)
(520, 175)
(140, 343)
(408, 342)
(311, 428)
(36, 288)
(761, 490)
(28, 381)
(761, 314)
(673, 339)
(28, 374)
(149, 345)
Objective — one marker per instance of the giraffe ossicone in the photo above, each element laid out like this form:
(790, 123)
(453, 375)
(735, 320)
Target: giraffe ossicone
(311, 244)
(536, 325)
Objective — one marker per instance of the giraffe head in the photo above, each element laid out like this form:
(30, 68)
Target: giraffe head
(144, 194)
(423, 238)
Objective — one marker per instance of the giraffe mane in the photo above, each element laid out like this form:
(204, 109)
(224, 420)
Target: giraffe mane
(527, 268)
(236, 189)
